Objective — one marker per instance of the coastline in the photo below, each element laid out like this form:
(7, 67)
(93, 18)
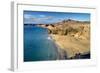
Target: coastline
(75, 43)
(68, 47)
(61, 54)
(72, 38)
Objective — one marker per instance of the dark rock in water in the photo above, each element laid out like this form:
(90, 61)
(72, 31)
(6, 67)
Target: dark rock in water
(81, 56)
(85, 56)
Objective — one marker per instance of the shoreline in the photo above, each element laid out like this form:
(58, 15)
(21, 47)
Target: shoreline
(61, 54)
(68, 52)
(71, 51)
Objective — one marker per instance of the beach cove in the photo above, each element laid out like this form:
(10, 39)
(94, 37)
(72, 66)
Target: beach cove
(39, 46)
(73, 37)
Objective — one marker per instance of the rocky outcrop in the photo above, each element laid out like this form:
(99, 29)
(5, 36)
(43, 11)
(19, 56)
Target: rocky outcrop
(73, 37)
(77, 29)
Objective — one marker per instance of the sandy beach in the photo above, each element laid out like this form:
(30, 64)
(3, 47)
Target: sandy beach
(71, 37)
(75, 41)
(71, 45)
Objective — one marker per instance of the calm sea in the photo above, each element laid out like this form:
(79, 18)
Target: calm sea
(37, 44)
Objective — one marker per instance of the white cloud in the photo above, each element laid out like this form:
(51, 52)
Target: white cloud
(27, 16)
(42, 15)
(37, 19)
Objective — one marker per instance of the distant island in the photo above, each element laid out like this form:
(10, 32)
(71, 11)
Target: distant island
(73, 37)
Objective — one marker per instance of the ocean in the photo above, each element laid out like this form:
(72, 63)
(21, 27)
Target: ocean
(38, 46)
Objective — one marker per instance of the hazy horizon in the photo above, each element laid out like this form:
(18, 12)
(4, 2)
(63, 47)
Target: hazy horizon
(40, 17)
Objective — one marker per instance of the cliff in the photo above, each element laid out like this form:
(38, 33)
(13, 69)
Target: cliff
(71, 36)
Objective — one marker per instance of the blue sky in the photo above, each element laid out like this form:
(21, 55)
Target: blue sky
(38, 17)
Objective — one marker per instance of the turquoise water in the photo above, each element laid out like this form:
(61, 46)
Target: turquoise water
(37, 44)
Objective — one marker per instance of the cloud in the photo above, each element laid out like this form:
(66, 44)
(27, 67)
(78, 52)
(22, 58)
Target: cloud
(42, 15)
(46, 18)
(37, 18)
(27, 16)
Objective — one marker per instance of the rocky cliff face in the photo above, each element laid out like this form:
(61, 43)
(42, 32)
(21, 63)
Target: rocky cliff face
(71, 36)
(70, 27)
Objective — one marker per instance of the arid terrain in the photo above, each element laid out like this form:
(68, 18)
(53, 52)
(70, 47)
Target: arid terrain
(71, 36)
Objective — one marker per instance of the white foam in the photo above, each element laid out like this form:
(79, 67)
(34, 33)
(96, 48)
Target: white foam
(49, 38)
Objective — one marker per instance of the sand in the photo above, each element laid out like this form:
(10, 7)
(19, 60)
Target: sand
(71, 44)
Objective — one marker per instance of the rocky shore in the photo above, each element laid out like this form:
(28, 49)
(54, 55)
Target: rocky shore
(73, 37)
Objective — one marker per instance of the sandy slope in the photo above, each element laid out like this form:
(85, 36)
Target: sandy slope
(72, 45)
(71, 36)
